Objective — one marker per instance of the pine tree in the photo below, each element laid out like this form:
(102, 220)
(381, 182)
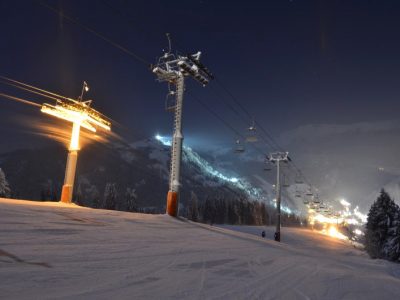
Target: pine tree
(130, 198)
(5, 190)
(264, 214)
(92, 195)
(96, 201)
(207, 210)
(391, 247)
(110, 196)
(193, 210)
(381, 220)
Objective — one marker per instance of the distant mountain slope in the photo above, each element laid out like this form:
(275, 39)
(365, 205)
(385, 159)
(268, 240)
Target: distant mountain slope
(141, 167)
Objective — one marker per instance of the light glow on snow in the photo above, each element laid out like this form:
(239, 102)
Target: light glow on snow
(164, 140)
(333, 232)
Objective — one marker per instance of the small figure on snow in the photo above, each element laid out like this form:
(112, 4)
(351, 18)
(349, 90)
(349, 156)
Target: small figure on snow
(263, 233)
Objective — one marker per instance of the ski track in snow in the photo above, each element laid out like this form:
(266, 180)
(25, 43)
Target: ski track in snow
(56, 251)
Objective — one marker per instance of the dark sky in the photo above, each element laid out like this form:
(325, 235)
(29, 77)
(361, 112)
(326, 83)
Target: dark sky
(290, 63)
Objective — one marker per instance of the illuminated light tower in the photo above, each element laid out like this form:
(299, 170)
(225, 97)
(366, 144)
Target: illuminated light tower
(80, 114)
(278, 157)
(173, 69)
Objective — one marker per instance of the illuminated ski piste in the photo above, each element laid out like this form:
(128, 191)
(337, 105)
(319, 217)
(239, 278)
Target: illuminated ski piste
(243, 185)
(59, 251)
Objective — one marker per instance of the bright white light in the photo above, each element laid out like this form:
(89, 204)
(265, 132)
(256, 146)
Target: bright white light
(352, 221)
(74, 145)
(360, 215)
(165, 141)
(358, 232)
(86, 87)
(333, 232)
(344, 203)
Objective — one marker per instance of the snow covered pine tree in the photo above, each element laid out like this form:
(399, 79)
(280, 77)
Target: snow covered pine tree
(110, 196)
(4, 187)
(382, 239)
(391, 247)
(130, 198)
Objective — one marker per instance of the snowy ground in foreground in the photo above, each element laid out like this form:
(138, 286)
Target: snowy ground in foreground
(50, 251)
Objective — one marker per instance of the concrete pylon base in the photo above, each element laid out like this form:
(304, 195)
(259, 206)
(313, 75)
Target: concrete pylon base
(172, 203)
(66, 193)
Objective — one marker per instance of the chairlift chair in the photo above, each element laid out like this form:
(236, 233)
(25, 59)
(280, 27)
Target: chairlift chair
(170, 102)
(309, 192)
(317, 201)
(252, 134)
(298, 180)
(267, 165)
(285, 183)
(239, 147)
(297, 193)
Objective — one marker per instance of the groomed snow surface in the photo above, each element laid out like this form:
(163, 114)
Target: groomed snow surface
(54, 251)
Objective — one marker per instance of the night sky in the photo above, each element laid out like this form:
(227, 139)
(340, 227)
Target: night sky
(290, 63)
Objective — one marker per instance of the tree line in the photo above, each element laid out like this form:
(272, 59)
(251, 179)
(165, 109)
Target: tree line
(240, 211)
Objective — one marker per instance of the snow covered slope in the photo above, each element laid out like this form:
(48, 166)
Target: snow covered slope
(49, 251)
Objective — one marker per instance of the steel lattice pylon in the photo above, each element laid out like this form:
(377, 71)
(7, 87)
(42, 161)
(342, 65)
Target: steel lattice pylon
(278, 157)
(173, 70)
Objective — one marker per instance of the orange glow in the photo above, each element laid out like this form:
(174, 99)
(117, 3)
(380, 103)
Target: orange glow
(80, 114)
(333, 232)
(74, 145)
